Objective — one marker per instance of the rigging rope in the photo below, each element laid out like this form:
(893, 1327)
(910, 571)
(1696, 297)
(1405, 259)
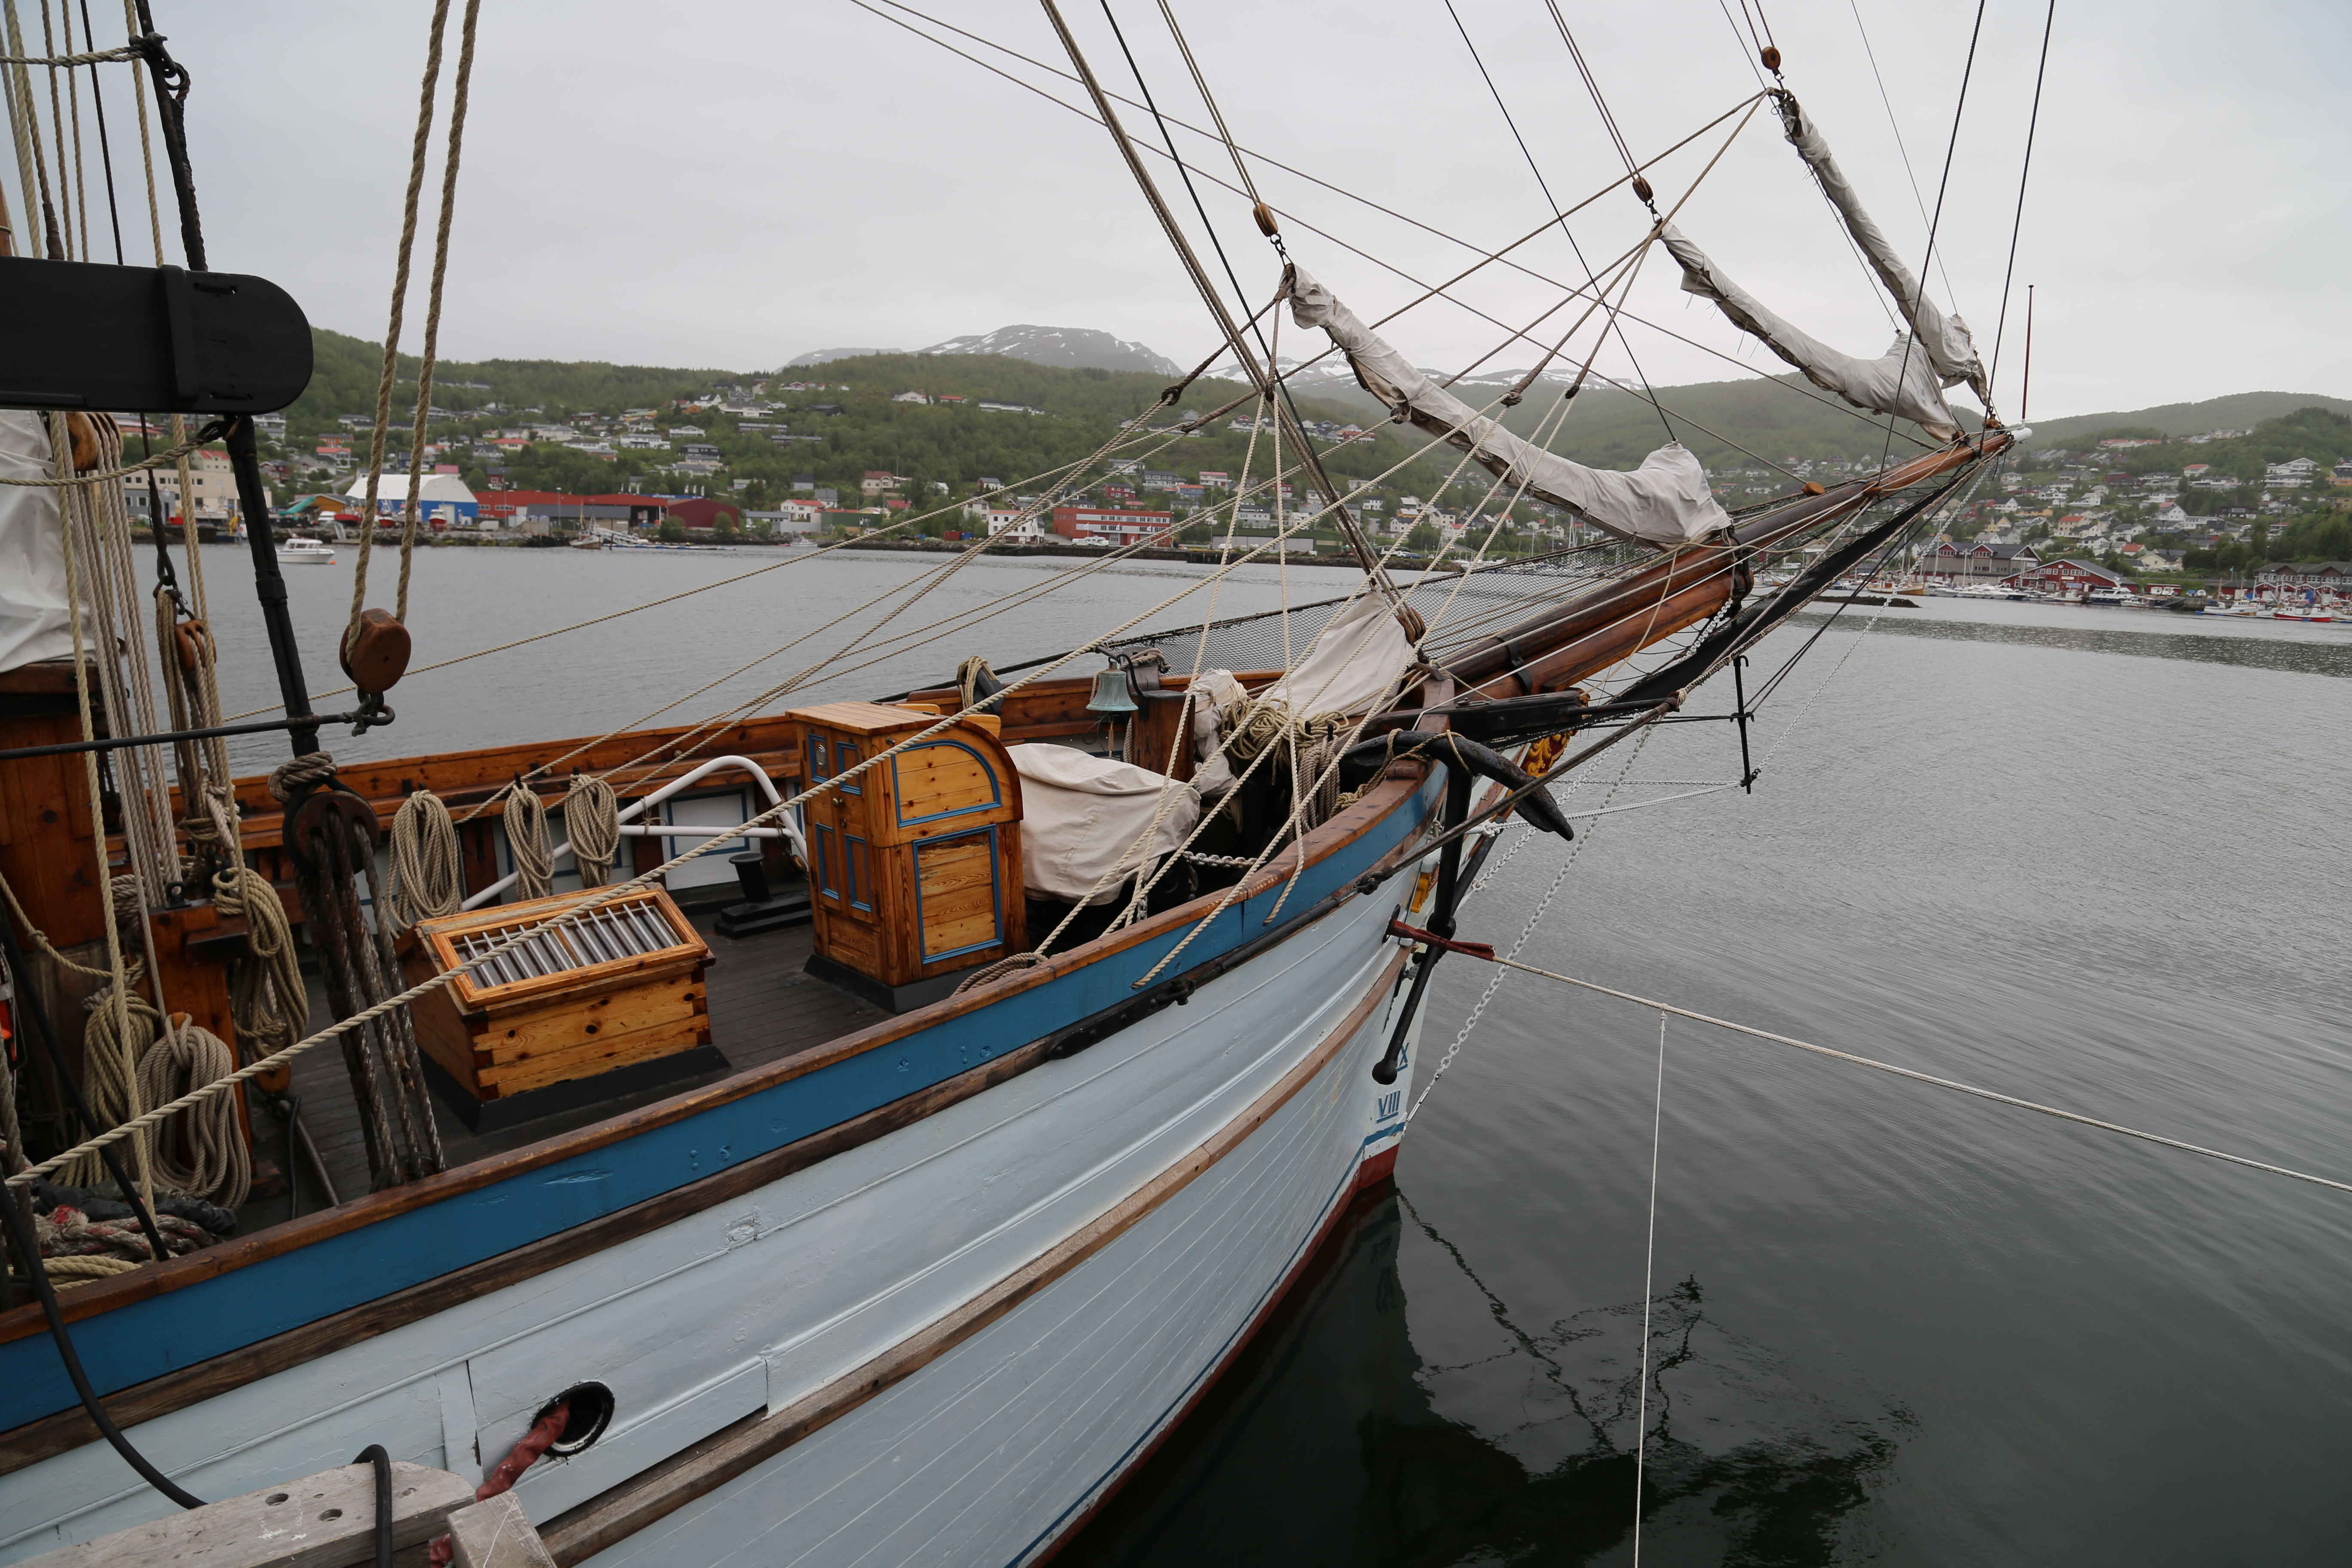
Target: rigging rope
(385, 377)
(1501, 256)
(213, 431)
(2017, 224)
(1951, 149)
(433, 309)
(598, 900)
(1285, 409)
(1933, 1081)
(1649, 1277)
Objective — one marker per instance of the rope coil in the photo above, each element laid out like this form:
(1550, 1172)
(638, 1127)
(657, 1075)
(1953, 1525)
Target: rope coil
(591, 819)
(528, 840)
(428, 871)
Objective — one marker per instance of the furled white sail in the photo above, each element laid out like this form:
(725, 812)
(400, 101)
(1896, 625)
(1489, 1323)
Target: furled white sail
(1358, 662)
(1900, 382)
(1945, 339)
(1666, 500)
(33, 622)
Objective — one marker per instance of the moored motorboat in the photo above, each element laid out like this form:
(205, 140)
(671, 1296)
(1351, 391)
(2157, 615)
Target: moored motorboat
(303, 552)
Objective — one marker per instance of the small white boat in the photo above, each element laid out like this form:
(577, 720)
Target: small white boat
(306, 552)
(2108, 596)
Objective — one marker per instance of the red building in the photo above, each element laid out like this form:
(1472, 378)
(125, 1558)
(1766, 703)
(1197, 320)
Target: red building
(2068, 577)
(703, 513)
(619, 511)
(1113, 525)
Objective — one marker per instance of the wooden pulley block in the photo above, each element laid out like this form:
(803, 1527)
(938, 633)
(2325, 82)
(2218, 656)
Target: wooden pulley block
(1814, 488)
(1642, 188)
(193, 640)
(1416, 629)
(375, 653)
(83, 431)
(1266, 224)
(1771, 57)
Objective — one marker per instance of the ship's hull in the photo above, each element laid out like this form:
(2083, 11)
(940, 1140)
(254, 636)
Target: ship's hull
(943, 1343)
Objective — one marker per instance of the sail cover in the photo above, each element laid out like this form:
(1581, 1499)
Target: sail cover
(33, 622)
(1945, 339)
(1665, 500)
(1900, 382)
(1083, 820)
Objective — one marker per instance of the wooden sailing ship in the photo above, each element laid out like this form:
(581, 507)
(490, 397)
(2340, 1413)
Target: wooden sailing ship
(900, 1233)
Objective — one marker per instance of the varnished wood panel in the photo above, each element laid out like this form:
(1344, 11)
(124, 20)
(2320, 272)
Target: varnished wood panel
(956, 890)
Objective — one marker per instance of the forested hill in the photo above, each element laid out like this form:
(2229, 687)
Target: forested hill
(2238, 411)
(1728, 423)
(2322, 435)
(345, 369)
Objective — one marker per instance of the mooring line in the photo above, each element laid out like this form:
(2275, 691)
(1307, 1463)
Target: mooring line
(1931, 1079)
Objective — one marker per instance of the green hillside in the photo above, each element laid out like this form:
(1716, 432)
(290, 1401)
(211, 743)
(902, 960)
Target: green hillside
(1776, 420)
(345, 370)
(954, 444)
(2320, 434)
(2238, 411)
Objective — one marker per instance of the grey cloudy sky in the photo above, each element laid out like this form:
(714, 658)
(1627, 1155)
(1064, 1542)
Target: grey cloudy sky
(733, 183)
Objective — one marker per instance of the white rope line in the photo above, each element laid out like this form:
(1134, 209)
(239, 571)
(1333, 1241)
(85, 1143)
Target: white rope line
(211, 432)
(102, 57)
(1649, 1276)
(1934, 1081)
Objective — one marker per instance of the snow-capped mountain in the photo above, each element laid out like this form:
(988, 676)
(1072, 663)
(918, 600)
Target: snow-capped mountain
(1073, 346)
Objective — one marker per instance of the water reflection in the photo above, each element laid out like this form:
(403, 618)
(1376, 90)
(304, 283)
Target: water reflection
(1333, 1440)
(2257, 647)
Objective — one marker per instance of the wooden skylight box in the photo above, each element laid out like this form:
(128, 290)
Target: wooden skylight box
(609, 1004)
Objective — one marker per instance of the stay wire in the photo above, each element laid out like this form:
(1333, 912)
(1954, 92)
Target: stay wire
(1545, 186)
(1591, 85)
(1936, 224)
(2017, 224)
(105, 150)
(1430, 291)
(1184, 171)
(1894, 125)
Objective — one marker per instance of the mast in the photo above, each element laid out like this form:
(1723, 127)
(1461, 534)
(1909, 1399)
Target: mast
(1259, 375)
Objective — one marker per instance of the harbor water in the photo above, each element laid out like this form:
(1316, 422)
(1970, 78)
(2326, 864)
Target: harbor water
(2086, 857)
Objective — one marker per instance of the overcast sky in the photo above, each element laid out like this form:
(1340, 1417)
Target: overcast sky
(733, 184)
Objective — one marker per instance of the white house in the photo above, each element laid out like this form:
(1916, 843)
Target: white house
(1011, 524)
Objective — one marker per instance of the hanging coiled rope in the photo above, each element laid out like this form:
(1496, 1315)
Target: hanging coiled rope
(592, 820)
(268, 1001)
(121, 1025)
(183, 1057)
(428, 871)
(528, 841)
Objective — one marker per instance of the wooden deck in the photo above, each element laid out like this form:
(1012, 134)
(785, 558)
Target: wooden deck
(762, 1006)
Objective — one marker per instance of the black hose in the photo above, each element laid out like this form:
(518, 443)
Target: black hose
(373, 1454)
(29, 1249)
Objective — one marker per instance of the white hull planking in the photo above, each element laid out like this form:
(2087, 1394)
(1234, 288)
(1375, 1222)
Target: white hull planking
(985, 1453)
